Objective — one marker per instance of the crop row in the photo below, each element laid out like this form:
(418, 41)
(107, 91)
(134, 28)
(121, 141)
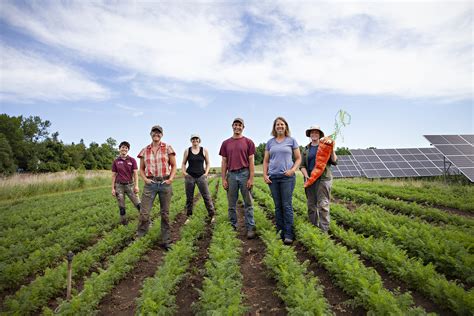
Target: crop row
(461, 199)
(158, 295)
(348, 271)
(33, 296)
(427, 213)
(99, 284)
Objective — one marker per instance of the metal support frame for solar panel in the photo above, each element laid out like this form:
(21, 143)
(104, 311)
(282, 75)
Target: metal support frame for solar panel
(458, 150)
(346, 167)
(399, 162)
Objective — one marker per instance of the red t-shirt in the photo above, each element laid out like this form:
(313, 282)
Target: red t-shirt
(237, 152)
(124, 168)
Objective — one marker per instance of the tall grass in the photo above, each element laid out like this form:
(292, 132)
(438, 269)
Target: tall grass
(27, 185)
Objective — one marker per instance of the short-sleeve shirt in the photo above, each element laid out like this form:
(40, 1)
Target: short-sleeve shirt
(157, 163)
(124, 168)
(237, 152)
(281, 155)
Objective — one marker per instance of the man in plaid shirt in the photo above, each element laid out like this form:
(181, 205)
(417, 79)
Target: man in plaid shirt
(157, 169)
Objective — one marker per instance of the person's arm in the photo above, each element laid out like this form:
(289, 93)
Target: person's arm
(183, 165)
(207, 162)
(142, 171)
(135, 181)
(266, 159)
(292, 171)
(172, 162)
(114, 175)
(303, 167)
(224, 172)
(251, 171)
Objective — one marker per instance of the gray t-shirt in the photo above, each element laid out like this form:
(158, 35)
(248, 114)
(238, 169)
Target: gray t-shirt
(281, 155)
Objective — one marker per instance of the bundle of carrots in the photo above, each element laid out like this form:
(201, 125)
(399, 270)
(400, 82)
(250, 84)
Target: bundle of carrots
(325, 148)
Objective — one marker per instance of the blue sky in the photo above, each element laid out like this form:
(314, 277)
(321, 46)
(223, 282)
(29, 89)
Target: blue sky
(95, 70)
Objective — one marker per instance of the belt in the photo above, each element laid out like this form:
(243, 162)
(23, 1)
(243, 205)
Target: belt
(158, 178)
(237, 170)
(125, 183)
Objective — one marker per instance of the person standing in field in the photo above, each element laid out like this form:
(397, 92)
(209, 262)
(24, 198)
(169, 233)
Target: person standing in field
(319, 193)
(279, 173)
(197, 158)
(237, 171)
(157, 169)
(125, 180)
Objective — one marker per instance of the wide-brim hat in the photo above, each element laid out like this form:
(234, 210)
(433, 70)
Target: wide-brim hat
(314, 128)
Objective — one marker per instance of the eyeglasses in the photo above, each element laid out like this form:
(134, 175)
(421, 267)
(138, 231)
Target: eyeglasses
(194, 139)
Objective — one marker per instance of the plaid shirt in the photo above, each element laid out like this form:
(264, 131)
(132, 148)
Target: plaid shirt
(157, 164)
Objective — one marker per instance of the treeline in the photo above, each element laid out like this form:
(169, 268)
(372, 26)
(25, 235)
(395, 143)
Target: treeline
(26, 145)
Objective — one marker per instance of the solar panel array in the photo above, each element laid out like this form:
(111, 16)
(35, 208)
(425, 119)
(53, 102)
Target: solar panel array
(346, 167)
(458, 149)
(401, 162)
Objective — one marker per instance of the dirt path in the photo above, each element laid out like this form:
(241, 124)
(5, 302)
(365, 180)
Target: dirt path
(258, 288)
(121, 301)
(188, 288)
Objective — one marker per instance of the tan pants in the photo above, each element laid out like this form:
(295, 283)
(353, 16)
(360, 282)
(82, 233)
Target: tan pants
(318, 198)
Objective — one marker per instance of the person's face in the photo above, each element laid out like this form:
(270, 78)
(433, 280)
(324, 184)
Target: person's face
(123, 150)
(314, 135)
(156, 135)
(195, 141)
(280, 127)
(237, 127)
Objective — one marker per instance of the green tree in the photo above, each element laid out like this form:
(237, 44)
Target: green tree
(259, 153)
(342, 151)
(7, 162)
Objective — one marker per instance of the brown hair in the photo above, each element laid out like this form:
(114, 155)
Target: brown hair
(287, 128)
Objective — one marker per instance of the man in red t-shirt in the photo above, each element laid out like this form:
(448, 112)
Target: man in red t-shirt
(125, 180)
(238, 168)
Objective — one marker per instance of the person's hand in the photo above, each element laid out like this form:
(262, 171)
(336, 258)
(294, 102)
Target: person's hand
(136, 189)
(225, 184)
(266, 178)
(249, 183)
(327, 140)
(148, 181)
(169, 181)
(113, 192)
(289, 173)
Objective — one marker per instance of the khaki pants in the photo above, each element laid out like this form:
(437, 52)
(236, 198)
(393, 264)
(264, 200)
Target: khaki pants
(125, 189)
(318, 198)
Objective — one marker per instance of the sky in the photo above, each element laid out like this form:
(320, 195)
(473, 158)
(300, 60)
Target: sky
(401, 69)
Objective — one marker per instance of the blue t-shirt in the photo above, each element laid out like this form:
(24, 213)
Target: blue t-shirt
(312, 157)
(281, 155)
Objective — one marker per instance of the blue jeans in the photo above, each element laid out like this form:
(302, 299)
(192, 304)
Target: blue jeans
(282, 192)
(237, 180)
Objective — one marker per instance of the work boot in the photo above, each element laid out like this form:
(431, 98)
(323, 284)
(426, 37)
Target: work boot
(251, 233)
(123, 220)
(288, 241)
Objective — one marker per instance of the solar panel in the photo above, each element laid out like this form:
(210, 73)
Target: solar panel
(458, 149)
(346, 167)
(400, 162)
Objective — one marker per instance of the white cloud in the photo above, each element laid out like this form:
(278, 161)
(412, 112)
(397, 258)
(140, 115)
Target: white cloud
(421, 49)
(169, 92)
(25, 77)
(132, 110)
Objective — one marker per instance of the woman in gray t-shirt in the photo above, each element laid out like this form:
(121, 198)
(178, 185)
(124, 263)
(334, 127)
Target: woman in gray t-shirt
(279, 173)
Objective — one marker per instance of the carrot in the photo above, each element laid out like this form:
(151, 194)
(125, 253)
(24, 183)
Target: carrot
(325, 148)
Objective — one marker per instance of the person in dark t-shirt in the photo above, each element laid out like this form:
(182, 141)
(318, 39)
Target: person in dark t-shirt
(125, 180)
(196, 174)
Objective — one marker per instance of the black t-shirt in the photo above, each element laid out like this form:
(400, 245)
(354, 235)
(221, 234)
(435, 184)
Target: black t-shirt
(196, 163)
